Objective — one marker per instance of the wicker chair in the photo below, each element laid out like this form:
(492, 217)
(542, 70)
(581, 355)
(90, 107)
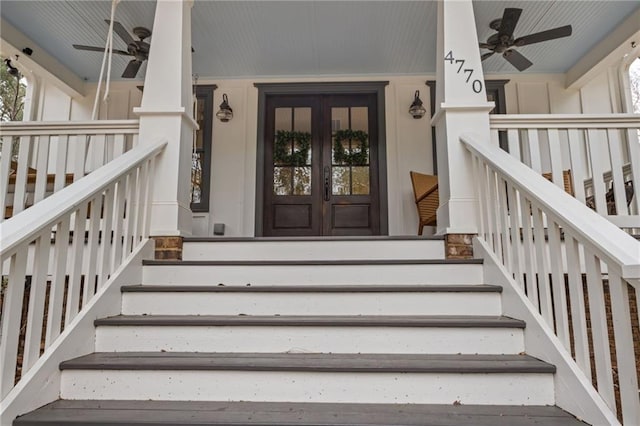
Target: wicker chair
(425, 191)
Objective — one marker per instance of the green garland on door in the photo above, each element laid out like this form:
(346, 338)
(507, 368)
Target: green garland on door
(359, 157)
(283, 141)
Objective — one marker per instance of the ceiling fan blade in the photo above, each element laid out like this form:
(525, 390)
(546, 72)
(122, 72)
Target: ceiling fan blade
(132, 69)
(486, 55)
(544, 36)
(517, 60)
(121, 31)
(487, 46)
(99, 49)
(509, 21)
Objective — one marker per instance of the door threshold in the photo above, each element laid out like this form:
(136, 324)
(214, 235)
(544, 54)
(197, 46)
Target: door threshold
(315, 238)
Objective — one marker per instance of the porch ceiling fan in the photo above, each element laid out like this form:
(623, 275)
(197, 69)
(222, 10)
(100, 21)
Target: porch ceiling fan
(139, 49)
(503, 41)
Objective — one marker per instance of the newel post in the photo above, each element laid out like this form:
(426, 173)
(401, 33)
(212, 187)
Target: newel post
(166, 113)
(461, 107)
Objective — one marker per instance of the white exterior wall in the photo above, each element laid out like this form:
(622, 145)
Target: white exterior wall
(233, 180)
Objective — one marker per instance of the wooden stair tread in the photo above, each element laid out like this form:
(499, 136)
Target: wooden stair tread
(310, 362)
(309, 288)
(313, 262)
(168, 413)
(314, 320)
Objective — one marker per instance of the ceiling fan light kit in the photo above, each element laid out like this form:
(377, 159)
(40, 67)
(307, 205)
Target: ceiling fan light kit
(139, 49)
(503, 42)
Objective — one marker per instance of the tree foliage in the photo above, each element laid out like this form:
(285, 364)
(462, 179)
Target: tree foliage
(12, 93)
(634, 80)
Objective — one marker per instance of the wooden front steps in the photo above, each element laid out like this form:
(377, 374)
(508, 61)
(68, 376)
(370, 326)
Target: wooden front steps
(303, 333)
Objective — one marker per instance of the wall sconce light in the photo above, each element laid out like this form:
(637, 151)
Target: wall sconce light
(225, 113)
(11, 69)
(416, 109)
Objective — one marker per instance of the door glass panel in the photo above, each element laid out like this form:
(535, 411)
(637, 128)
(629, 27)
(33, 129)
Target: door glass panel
(350, 151)
(282, 181)
(292, 151)
(302, 181)
(340, 181)
(283, 119)
(360, 119)
(360, 180)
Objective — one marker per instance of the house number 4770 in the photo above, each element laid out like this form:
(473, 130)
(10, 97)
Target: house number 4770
(476, 85)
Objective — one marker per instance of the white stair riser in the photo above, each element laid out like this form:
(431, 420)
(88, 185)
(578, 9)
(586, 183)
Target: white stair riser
(313, 250)
(311, 303)
(312, 274)
(511, 389)
(273, 339)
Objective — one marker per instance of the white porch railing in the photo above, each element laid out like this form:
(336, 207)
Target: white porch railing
(601, 154)
(39, 158)
(54, 257)
(580, 256)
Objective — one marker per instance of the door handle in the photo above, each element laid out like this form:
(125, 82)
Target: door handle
(327, 183)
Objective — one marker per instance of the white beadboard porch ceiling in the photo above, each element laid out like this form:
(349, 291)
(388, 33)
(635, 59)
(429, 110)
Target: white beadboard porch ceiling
(313, 38)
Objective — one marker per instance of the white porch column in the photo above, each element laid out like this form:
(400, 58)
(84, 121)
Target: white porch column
(461, 107)
(166, 113)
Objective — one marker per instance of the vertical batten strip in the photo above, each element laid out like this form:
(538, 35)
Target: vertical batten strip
(107, 236)
(33, 334)
(61, 163)
(56, 292)
(576, 151)
(513, 136)
(542, 266)
(597, 170)
(599, 329)
(5, 172)
(92, 246)
(77, 253)
(504, 222)
(11, 318)
(80, 157)
(42, 164)
(625, 355)
(514, 219)
(578, 307)
(534, 150)
(555, 155)
(558, 284)
(22, 171)
(529, 256)
(119, 204)
(118, 145)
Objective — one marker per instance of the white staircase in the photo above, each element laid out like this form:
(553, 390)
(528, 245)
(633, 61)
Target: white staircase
(308, 332)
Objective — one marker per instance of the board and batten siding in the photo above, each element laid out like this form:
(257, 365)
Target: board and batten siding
(408, 141)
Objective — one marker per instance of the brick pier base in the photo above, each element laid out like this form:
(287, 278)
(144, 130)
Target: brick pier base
(168, 248)
(459, 246)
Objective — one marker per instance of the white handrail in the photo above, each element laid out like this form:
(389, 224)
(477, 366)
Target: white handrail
(564, 121)
(610, 242)
(66, 248)
(28, 224)
(20, 128)
(575, 267)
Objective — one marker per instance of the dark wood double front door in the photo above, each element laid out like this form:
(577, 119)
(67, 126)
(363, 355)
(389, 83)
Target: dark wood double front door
(321, 165)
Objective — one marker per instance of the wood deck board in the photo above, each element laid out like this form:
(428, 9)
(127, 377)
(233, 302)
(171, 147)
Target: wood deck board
(466, 321)
(309, 362)
(479, 288)
(164, 413)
